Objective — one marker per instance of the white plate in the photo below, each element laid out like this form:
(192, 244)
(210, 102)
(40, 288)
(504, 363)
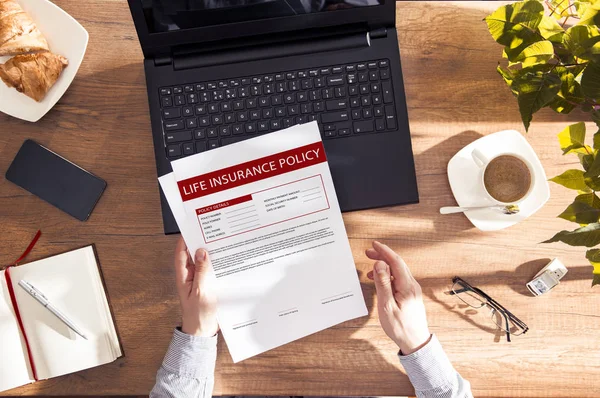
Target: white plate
(65, 37)
(465, 180)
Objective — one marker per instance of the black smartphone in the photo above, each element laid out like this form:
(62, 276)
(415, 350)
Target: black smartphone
(56, 180)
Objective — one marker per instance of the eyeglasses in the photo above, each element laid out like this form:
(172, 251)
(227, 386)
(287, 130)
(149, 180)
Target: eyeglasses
(476, 298)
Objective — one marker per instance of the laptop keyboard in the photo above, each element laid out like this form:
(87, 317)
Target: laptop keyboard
(345, 100)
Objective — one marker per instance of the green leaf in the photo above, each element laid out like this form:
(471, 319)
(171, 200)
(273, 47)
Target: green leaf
(597, 140)
(570, 94)
(560, 8)
(581, 6)
(535, 89)
(583, 42)
(594, 169)
(572, 179)
(572, 139)
(593, 256)
(586, 160)
(588, 236)
(551, 30)
(515, 26)
(507, 75)
(589, 14)
(593, 183)
(590, 199)
(590, 80)
(536, 53)
(581, 212)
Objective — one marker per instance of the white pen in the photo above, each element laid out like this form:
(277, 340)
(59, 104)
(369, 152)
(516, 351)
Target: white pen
(39, 296)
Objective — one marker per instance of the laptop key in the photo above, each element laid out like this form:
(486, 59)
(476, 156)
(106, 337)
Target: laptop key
(336, 104)
(379, 124)
(165, 91)
(191, 123)
(372, 65)
(212, 144)
(344, 132)
(335, 80)
(178, 136)
(167, 102)
(188, 148)
(174, 125)
(212, 132)
(250, 127)
(171, 113)
(177, 90)
(237, 129)
(174, 150)
(200, 146)
(386, 89)
(330, 134)
(333, 117)
(363, 126)
(224, 131)
(384, 74)
(232, 140)
(179, 100)
(188, 111)
(200, 134)
(390, 117)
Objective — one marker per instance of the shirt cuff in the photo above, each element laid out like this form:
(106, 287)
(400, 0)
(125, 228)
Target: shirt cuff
(429, 367)
(191, 356)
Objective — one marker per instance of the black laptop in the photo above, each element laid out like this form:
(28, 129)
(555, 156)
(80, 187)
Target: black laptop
(222, 71)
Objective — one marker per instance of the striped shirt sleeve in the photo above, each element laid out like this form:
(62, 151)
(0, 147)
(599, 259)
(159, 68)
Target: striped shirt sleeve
(432, 374)
(188, 369)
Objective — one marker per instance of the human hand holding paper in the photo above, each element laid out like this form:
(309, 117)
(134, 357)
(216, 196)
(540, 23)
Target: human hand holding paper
(400, 303)
(195, 285)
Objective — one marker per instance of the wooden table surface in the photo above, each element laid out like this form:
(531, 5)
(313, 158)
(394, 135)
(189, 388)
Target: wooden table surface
(454, 96)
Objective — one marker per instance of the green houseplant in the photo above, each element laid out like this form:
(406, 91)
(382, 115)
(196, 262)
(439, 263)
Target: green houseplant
(552, 59)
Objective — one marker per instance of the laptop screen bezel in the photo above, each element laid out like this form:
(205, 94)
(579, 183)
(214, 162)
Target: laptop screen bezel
(162, 44)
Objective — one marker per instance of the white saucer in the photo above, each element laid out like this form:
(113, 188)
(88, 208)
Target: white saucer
(465, 180)
(65, 37)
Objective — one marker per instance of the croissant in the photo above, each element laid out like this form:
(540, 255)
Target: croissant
(18, 32)
(33, 74)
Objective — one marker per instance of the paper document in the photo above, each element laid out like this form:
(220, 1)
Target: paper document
(267, 212)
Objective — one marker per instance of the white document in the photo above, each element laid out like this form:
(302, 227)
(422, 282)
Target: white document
(267, 212)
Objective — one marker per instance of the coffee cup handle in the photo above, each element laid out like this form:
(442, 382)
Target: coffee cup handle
(479, 158)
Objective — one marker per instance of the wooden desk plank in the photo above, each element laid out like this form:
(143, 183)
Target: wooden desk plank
(454, 96)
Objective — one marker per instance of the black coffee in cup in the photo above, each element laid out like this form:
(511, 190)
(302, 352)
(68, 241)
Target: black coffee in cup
(507, 178)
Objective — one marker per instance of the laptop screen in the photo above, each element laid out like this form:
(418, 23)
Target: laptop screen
(174, 15)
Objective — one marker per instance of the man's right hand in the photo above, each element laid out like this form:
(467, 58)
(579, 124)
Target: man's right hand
(196, 287)
(399, 300)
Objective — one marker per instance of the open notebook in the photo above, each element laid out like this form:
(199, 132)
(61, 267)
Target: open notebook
(73, 283)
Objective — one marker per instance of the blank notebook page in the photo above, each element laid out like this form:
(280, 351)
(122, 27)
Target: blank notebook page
(72, 283)
(14, 366)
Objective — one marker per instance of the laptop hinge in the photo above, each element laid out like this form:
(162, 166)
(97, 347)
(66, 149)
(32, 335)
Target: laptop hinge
(164, 60)
(269, 51)
(378, 33)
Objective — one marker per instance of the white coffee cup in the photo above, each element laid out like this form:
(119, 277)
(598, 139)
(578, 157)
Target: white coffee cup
(482, 161)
